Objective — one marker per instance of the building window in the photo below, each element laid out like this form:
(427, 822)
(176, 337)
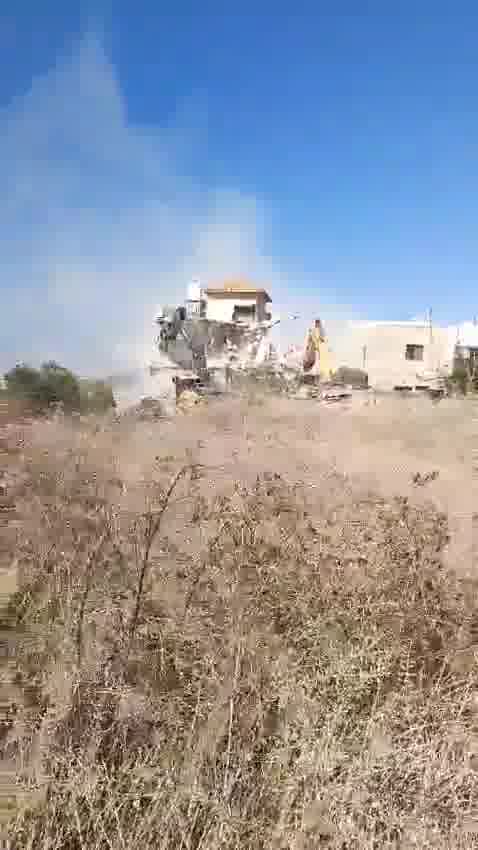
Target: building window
(414, 352)
(244, 312)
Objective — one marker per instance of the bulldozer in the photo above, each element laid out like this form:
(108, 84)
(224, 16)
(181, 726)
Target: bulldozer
(319, 378)
(317, 360)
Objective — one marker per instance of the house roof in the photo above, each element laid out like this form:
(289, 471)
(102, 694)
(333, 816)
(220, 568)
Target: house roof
(235, 287)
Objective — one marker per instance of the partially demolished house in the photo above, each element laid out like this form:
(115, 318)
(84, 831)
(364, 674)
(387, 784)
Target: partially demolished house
(216, 325)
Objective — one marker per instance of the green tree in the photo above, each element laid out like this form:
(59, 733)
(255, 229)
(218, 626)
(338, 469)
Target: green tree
(24, 383)
(42, 388)
(60, 386)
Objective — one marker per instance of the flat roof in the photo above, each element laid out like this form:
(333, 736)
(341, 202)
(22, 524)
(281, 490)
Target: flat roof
(236, 287)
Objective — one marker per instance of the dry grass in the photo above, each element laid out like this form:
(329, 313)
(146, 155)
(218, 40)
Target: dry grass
(205, 649)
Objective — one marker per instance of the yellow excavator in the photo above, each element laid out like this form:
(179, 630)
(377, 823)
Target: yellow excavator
(317, 358)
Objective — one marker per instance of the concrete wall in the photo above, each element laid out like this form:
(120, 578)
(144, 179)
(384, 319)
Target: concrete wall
(379, 348)
(222, 309)
(263, 309)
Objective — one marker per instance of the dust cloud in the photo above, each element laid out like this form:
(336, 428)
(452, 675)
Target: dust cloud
(101, 227)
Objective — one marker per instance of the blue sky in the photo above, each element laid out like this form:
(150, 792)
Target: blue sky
(331, 151)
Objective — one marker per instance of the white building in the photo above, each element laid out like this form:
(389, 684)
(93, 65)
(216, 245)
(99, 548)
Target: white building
(237, 300)
(399, 355)
(466, 342)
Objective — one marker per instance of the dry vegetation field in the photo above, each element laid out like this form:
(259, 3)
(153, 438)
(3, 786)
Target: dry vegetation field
(254, 626)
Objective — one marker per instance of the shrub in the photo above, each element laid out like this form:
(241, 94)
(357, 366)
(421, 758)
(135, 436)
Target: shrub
(42, 388)
(24, 384)
(302, 681)
(60, 386)
(52, 384)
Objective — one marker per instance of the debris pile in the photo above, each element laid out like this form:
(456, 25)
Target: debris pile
(435, 382)
(149, 409)
(328, 392)
(188, 400)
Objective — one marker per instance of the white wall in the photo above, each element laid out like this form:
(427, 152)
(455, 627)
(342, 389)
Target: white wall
(386, 343)
(222, 309)
(467, 335)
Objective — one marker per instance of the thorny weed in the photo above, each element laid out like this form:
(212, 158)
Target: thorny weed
(302, 680)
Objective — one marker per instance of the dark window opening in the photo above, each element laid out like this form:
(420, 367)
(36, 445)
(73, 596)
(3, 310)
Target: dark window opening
(241, 311)
(414, 352)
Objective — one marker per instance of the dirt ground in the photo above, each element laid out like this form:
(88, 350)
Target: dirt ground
(361, 446)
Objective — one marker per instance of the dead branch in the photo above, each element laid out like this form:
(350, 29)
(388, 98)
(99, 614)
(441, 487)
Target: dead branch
(154, 519)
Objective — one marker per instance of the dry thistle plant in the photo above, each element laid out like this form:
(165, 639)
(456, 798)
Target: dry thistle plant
(303, 679)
